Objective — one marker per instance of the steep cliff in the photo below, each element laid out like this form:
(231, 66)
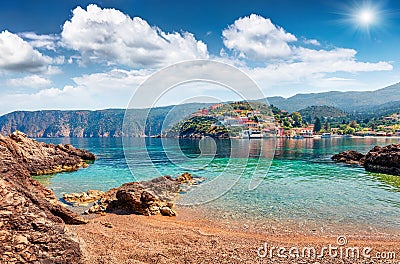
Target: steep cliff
(100, 123)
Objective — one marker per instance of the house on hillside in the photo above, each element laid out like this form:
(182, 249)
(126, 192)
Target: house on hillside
(213, 107)
(232, 121)
(250, 124)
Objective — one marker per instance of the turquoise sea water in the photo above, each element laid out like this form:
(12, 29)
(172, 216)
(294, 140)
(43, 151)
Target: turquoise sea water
(302, 183)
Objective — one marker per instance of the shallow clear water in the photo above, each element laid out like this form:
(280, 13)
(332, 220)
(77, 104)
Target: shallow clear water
(302, 184)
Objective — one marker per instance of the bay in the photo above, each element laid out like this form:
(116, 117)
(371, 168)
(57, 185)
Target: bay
(300, 184)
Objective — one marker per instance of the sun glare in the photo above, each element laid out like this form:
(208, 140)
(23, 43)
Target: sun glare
(366, 17)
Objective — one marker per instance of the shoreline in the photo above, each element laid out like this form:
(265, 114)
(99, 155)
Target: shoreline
(264, 224)
(280, 137)
(112, 238)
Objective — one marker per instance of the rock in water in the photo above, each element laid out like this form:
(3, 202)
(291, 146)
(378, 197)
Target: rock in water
(83, 198)
(384, 159)
(185, 178)
(379, 159)
(350, 157)
(31, 218)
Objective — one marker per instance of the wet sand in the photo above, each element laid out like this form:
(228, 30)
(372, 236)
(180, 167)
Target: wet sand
(188, 238)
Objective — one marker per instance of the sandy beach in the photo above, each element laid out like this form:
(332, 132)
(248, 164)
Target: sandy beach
(112, 238)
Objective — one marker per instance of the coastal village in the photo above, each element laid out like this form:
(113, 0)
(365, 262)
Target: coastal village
(257, 120)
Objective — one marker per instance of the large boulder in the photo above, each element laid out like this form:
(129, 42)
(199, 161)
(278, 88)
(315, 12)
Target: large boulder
(32, 221)
(151, 197)
(384, 159)
(349, 157)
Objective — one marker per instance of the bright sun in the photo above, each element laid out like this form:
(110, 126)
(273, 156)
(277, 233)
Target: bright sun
(366, 17)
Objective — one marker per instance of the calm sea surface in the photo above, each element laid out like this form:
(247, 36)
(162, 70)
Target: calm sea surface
(302, 184)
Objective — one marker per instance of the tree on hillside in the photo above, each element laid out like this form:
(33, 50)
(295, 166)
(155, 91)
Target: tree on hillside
(327, 126)
(297, 119)
(353, 124)
(286, 124)
(317, 125)
(256, 119)
(349, 130)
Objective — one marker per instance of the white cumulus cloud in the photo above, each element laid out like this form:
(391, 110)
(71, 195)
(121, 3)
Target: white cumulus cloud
(256, 37)
(49, 42)
(18, 55)
(312, 42)
(338, 59)
(108, 35)
(32, 81)
(111, 89)
(274, 57)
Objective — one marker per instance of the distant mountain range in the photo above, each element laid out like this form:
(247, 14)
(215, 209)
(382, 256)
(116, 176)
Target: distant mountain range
(346, 101)
(108, 123)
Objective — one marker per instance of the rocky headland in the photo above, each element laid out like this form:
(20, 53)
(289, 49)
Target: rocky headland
(379, 159)
(32, 220)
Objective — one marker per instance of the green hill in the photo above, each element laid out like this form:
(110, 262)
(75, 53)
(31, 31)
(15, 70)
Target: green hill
(312, 112)
(223, 120)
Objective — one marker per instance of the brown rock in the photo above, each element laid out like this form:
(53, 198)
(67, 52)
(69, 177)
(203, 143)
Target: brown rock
(384, 159)
(40, 158)
(185, 178)
(167, 211)
(32, 220)
(82, 199)
(146, 198)
(349, 157)
(107, 224)
(19, 239)
(379, 159)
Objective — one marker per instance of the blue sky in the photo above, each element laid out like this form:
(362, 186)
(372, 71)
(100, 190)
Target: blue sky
(93, 54)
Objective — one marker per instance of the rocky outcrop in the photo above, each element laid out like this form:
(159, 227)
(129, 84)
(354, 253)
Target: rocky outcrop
(41, 158)
(32, 221)
(83, 198)
(379, 159)
(384, 159)
(185, 178)
(350, 157)
(151, 197)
